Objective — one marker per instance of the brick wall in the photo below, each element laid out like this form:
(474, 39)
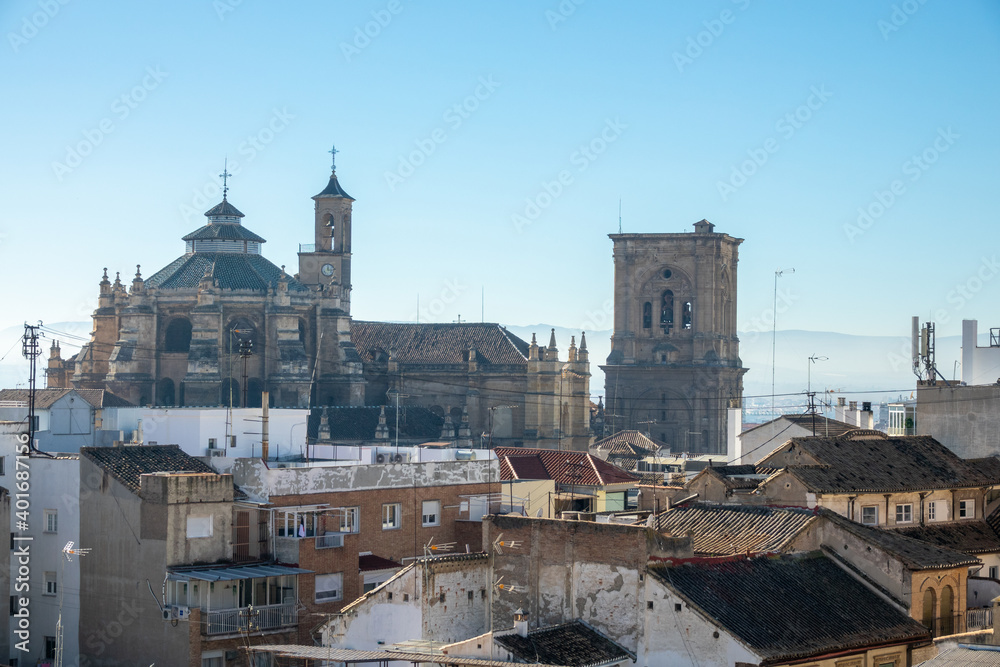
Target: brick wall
(404, 542)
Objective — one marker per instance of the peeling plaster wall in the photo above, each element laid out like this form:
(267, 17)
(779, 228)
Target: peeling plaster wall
(400, 610)
(564, 570)
(261, 483)
(683, 638)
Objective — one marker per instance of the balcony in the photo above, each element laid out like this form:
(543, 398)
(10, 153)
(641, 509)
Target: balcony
(249, 619)
(970, 621)
(287, 548)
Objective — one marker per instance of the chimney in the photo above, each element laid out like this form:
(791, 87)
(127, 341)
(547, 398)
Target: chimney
(734, 427)
(838, 412)
(521, 622)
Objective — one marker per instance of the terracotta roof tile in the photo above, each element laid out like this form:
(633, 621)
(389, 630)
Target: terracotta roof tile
(129, 464)
(563, 467)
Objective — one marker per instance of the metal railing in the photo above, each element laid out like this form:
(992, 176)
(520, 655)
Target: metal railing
(979, 619)
(330, 540)
(249, 619)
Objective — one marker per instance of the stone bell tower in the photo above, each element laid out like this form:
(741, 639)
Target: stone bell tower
(325, 265)
(674, 362)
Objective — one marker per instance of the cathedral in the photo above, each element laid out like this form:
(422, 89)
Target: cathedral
(221, 324)
(674, 366)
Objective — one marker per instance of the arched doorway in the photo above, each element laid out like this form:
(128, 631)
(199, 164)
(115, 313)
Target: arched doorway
(930, 607)
(947, 611)
(165, 393)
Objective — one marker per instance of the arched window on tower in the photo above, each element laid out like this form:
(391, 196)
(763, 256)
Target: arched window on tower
(329, 224)
(255, 390)
(229, 393)
(686, 315)
(667, 311)
(647, 315)
(177, 337)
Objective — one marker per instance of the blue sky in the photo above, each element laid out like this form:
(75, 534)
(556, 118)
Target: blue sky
(776, 121)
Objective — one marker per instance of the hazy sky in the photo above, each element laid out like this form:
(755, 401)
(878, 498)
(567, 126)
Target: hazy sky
(488, 144)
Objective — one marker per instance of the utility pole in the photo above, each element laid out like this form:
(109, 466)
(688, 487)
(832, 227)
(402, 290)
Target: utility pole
(31, 350)
(246, 351)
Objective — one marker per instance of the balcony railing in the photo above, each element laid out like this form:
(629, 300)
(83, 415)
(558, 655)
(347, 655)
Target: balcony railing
(250, 619)
(330, 540)
(971, 620)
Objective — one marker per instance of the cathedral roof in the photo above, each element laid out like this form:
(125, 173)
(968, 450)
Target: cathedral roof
(226, 231)
(224, 208)
(437, 343)
(333, 189)
(230, 270)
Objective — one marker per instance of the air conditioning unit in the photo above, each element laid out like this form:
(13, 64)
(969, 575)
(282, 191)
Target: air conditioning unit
(215, 452)
(167, 613)
(182, 613)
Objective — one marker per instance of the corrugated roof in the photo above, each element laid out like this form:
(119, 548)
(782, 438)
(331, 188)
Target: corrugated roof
(969, 537)
(573, 643)
(719, 530)
(790, 607)
(872, 462)
(231, 270)
(965, 656)
(563, 467)
(437, 343)
(233, 573)
(913, 553)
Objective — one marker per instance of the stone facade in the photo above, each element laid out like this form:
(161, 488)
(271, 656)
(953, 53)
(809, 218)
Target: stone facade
(221, 324)
(674, 363)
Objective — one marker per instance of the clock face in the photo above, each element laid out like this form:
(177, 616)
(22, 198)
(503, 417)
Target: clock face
(327, 270)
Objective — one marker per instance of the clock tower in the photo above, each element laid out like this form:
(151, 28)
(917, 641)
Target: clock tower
(326, 264)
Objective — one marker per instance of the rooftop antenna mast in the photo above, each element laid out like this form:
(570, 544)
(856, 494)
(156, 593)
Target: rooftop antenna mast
(68, 551)
(619, 215)
(31, 350)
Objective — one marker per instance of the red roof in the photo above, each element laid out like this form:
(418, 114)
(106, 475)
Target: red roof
(370, 562)
(562, 467)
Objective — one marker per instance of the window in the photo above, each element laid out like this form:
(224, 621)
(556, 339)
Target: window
(431, 513)
(390, 516)
(213, 660)
(994, 570)
(329, 587)
(966, 509)
(348, 519)
(50, 647)
(932, 510)
(647, 315)
(686, 315)
(667, 311)
(3, 468)
(869, 515)
(199, 526)
(937, 510)
(904, 513)
(51, 521)
(51, 583)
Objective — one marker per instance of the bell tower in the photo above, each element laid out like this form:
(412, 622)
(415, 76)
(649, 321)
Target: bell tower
(674, 363)
(325, 265)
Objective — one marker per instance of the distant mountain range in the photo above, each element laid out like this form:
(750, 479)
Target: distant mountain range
(865, 368)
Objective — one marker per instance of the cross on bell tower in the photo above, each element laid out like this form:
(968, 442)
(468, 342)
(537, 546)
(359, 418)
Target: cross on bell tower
(333, 159)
